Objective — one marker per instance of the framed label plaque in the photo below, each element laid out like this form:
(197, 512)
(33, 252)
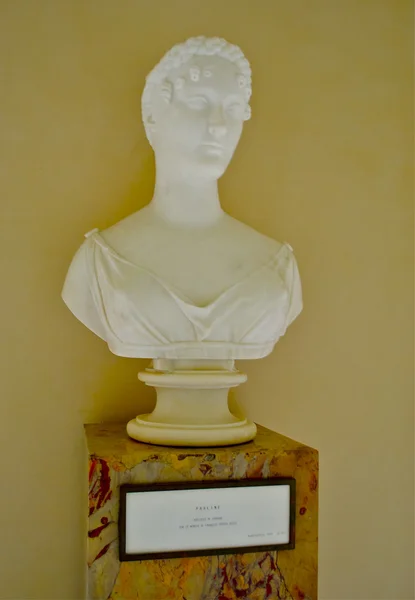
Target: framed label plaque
(197, 519)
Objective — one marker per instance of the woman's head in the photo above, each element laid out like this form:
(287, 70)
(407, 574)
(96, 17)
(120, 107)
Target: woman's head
(194, 104)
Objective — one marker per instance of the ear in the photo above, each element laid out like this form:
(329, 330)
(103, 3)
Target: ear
(166, 91)
(150, 122)
(149, 126)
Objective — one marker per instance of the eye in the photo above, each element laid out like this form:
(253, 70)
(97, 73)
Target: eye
(197, 102)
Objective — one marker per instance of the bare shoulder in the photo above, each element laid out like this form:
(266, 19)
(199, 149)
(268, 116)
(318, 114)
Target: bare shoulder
(252, 240)
(134, 231)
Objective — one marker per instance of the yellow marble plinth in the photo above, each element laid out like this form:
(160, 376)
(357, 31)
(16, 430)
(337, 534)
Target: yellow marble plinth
(115, 459)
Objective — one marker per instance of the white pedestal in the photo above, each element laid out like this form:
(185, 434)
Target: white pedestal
(192, 405)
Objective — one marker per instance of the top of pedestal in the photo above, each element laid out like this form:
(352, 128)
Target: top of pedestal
(110, 442)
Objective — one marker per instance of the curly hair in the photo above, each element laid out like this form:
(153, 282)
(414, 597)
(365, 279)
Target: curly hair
(181, 54)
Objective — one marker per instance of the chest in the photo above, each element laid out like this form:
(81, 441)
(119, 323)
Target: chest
(201, 264)
(202, 271)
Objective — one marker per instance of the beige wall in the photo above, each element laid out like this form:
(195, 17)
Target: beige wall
(325, 164)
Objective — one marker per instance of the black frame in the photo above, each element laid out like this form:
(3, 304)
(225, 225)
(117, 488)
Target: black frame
(125, 489)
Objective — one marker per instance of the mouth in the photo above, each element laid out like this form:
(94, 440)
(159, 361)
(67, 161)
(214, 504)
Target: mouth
(213, 147)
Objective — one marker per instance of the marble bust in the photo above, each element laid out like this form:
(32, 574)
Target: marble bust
(180, 281)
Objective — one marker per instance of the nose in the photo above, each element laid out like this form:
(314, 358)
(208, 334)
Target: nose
(217, 130)
(217, 125)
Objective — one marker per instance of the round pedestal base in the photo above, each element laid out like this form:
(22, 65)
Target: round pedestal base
(192, 406)
(167, 434)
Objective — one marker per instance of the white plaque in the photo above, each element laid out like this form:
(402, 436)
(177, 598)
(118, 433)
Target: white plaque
(206, 518)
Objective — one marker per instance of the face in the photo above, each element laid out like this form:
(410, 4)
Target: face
(198, 117)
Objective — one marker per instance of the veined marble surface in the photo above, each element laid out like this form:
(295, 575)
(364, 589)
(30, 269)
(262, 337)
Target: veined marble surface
(115, 459)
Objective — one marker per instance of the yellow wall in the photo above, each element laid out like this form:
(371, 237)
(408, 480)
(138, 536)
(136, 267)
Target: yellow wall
(325, 164)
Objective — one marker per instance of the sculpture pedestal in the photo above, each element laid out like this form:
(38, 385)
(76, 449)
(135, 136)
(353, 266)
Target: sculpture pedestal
(192, 405)
(115, 459)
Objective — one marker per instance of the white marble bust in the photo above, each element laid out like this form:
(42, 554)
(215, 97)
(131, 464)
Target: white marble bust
(181, 279)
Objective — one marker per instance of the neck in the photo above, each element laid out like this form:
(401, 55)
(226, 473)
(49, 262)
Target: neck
(187, 203)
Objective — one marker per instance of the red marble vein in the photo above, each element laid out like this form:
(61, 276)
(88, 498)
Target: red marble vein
(100, 483)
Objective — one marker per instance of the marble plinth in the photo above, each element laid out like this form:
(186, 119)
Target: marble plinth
(115, 459)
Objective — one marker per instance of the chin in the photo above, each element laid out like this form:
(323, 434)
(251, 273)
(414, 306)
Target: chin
(211, 167)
